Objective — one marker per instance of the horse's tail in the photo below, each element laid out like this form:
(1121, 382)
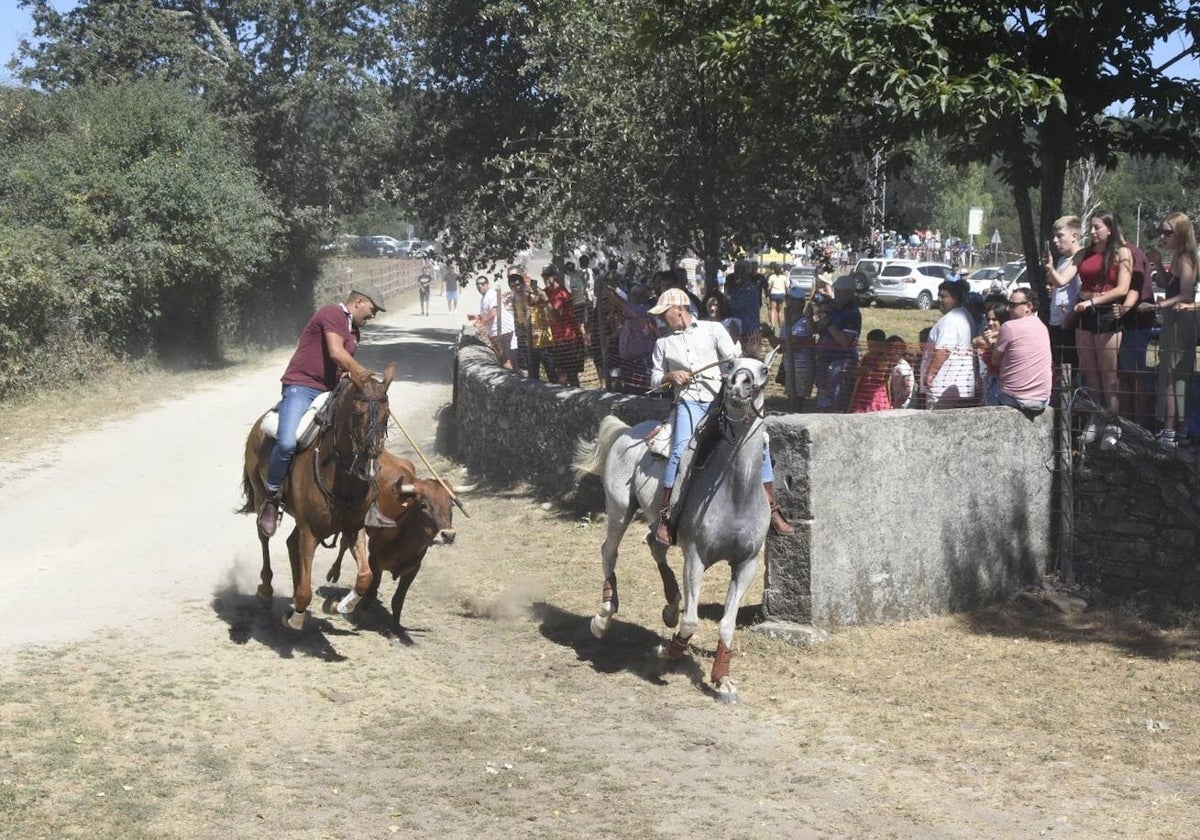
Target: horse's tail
(248, 493)
(590, 457)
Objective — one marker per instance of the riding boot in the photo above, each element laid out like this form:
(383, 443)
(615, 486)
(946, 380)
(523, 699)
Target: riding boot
(778, 524)
(268, 515)
(663, 532)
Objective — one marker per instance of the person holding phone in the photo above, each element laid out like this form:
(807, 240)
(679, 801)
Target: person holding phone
(1177, 343)
(1067, 240)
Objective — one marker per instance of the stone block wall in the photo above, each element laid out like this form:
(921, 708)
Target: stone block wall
(904, 514)
(1138, 517)
(899, 514)
(509, 429)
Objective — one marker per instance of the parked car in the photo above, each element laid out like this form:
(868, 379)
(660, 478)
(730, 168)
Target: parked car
(385, 246)
(1015, 277)
(910, 283)
(865, 273)
(986, 280)
(423, 248)
(800, 280)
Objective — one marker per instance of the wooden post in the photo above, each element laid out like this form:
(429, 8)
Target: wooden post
(1064, 466)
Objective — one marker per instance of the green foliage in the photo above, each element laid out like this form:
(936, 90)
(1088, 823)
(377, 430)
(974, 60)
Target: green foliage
(598, 122)
(1030, 85)
(315, 87)
(141, 203)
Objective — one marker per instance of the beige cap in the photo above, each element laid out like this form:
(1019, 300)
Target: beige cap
(669, 298)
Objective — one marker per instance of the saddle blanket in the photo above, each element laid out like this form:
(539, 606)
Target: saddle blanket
(306, 432)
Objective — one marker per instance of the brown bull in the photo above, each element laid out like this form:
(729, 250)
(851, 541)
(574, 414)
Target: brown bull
(423, 513)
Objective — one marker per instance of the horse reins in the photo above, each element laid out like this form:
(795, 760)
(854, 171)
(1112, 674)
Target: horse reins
(374, 436)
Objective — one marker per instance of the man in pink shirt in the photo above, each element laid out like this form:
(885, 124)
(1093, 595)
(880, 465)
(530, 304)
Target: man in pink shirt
(1022, 353)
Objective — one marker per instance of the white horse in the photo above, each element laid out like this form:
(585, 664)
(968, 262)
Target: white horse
(723, 514)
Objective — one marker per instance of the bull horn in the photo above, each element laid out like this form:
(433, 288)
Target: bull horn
(466, 488)
(406, 489)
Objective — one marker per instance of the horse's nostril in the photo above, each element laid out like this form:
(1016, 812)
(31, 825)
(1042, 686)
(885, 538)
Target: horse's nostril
(448, 536)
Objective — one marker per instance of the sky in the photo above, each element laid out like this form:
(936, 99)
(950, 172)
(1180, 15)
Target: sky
(15, 24)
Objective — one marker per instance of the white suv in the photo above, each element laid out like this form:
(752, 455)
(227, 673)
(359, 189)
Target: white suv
(910, 283)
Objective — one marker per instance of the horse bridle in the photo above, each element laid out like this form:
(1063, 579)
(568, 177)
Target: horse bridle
(363, 457)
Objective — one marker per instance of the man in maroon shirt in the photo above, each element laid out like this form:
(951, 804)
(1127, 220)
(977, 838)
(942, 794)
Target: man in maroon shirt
(325, 351)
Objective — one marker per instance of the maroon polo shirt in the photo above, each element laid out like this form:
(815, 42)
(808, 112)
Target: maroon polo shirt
(311, 364)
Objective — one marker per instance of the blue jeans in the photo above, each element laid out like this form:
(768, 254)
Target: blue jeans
(688, 415)
(1024, 405)
(296, 400)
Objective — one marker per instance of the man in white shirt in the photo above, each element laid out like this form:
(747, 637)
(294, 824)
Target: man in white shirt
(947, 363)
(496, 320)
(687, 358)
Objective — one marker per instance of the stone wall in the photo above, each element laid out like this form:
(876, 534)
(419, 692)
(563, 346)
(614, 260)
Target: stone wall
(899, 514)
(904, 514)
(509, 429)
(1137, 518)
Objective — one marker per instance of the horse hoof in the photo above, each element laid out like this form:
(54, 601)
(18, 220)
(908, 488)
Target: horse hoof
(727, 692)
(294, 620)
(265, 595)
(670, 615)
(599, 626)
(329, 606)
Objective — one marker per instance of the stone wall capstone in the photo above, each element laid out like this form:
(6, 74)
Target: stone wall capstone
(906, 514)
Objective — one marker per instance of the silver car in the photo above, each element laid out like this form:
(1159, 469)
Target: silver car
(800, 280)
(910, 283)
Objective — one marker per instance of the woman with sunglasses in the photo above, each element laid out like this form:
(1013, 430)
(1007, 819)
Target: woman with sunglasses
(1177, 342)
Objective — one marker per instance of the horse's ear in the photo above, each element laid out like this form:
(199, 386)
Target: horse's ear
(389, 375)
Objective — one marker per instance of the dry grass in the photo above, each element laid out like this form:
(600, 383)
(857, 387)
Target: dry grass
(506, 718)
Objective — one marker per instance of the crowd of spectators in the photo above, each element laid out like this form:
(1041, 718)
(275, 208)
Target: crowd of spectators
(1102, 314)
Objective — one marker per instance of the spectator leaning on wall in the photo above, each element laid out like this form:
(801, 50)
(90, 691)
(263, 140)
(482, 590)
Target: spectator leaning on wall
(1022, 353)
(947, 365)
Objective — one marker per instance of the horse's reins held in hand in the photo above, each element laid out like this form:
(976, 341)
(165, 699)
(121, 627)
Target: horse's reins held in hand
(428, 466)
(664, 385)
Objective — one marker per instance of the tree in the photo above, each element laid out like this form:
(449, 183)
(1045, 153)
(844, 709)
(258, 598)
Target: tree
(108, 197)
(610, 130)
(1032, 85)
(314, 85)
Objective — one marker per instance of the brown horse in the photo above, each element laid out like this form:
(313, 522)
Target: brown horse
(329, 487)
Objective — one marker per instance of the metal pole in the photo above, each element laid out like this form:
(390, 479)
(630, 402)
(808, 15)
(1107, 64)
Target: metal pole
(1066, 479)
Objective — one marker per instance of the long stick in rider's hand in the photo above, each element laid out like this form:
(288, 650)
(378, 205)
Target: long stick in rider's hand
(428, 466)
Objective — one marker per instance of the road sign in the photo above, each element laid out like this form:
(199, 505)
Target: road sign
(975, 221)
(996, 237)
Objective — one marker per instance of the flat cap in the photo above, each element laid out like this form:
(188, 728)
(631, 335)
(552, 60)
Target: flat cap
(372, 294)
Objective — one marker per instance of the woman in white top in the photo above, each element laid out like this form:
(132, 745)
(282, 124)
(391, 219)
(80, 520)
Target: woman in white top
(777, 287)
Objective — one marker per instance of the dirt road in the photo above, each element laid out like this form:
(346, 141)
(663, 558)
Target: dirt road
(145, 694)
